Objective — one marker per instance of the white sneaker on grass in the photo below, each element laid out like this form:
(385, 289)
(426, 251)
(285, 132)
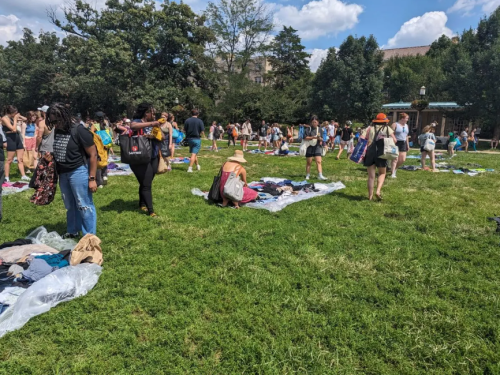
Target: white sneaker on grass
(198, 167)
(322, 178)
(25, 178)
(190, 170)
(393, 176)
(308, 177)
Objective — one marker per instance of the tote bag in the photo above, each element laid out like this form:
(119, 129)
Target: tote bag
(389, 150)
(214, 193)
(233, 189)
(135, 149)
(429, 145)
(162, 166)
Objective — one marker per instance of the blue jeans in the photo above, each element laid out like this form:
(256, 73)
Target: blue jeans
(81, 214)
(2, 176)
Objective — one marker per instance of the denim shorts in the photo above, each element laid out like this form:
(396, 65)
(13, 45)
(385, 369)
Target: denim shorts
(194, 145)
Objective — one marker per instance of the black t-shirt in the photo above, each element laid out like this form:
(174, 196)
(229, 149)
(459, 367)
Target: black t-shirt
(263, 130)
(2, 140)
(346, 134)
(193, 128)
(69, 148)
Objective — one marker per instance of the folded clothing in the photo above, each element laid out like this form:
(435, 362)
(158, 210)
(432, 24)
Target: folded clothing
(55, 260)
(15, 253)
(38, 269)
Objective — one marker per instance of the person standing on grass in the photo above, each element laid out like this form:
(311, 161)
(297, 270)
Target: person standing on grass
(289, 133)
(346, 136)
(194, 129)
(494, 143)
(422, 138)
(331, 135)
(375, 135)
(29, 133)
(15, 145)
(3, 146)
(246, 132)
(402, 134)
(263, 131)
(473, 139)
(315, 149)
(142, 124)
(452, 142)
(231, 130)
(75, 155)
(214, 130)
(465, 139)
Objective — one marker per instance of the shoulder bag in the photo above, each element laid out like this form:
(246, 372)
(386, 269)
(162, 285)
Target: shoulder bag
(429, 145)
(162, 166)
(390, 151)
(359, 152)
(135, 149)
(233, 188)
(214, 193)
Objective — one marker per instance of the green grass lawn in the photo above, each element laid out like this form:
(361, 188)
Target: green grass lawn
(332, 285)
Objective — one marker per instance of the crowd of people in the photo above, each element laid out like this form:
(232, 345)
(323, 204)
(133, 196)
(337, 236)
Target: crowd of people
(77, 151)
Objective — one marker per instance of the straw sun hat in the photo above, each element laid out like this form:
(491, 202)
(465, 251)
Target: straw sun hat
(237, 157)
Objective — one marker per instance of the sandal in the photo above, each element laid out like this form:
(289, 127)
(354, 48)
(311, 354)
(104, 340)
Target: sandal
(153, 215)
(143, 208)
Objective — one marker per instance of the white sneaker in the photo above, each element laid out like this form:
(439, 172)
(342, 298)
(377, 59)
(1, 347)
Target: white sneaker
(7, 179)
(308, 177)
(25, 178)
(190, 170)
(105, 178)
(198, 167)
(393, 176)
(322, 178)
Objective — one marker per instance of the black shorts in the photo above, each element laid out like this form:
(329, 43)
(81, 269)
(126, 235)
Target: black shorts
(313, 151)
(372, 159)
(14, 142)
(402, 146)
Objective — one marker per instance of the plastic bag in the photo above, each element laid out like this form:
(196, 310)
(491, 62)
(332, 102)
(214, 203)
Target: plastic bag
(62, 285)
(52, 239)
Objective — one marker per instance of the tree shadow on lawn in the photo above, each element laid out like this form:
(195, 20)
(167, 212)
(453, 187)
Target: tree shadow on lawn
(119, 206)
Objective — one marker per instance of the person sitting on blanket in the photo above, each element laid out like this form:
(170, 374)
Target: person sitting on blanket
(233, 164)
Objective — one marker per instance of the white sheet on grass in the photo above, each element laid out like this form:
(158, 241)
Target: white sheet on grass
(275, 205)
(61, 285)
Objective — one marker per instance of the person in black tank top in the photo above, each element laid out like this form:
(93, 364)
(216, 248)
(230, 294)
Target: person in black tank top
(14, 142)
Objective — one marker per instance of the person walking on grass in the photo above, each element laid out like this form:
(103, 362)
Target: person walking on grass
(315, 149)
(15, 145)
(346, 136)
(465, 139)
(3, 146)
(214, 131)
(376, 133)
(75, 155)
(473, 139)
(231, 132)
(402, 134)
(263, 131)
(427, 134)
(246, 133)
(332, 132)
(194, 128)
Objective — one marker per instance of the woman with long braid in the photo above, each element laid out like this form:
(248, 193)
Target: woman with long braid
(76, 161)
(143, 123)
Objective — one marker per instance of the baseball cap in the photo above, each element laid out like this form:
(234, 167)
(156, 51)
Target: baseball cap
(43, 109)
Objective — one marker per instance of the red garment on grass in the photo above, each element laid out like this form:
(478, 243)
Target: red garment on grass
(249, 195)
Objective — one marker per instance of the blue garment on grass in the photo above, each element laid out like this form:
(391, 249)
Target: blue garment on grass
(55, 260)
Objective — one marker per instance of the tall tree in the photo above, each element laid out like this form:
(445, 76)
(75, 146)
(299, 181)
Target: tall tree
(288, 58)
(473, 72)
(242, 28)
(348, 83)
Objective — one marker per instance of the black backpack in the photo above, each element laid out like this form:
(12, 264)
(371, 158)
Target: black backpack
(216, 132)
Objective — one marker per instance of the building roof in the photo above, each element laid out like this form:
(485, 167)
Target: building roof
(432, 105)
(409, 51)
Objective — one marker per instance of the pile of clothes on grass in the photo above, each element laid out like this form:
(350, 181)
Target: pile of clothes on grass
(275, 153)
(277, 193)
(445, 167)
(14, 187)
(42, 270)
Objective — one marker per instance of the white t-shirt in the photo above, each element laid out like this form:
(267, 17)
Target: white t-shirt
(331, 130)
(246, 129)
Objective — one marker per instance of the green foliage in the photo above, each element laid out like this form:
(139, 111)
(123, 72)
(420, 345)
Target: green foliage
(332, 285)
(241, 28)
(420, 104)
(473, 72)
(348, 83)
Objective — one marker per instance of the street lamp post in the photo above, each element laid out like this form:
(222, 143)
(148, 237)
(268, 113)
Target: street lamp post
(422, 94)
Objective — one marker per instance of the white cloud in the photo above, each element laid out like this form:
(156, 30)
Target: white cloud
(467, 6)
(421, 31)
(317, 55)
(9, 28)
(319, 18)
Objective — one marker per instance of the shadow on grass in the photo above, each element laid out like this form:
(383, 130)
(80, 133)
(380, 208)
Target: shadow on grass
(59, 228)
(119, 206)
(357, 198)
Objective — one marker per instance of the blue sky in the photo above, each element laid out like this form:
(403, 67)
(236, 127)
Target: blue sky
(321, 23)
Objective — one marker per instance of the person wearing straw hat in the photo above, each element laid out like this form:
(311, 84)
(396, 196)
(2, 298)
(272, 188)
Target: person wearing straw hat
(375, 135)
(233, 164)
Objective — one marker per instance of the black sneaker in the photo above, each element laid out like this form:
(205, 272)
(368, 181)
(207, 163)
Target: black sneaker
(69, 236)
